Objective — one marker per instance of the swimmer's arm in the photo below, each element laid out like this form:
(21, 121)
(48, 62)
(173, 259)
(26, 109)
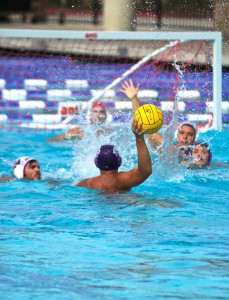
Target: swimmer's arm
(103, 131)
(76, 132)
(144, 169)
(58, 138)
(135, 103)
(131, 92)
(220, 165)
(127, 180)
(84, 183)
(155, 139)
(210, 165)
(6, 179)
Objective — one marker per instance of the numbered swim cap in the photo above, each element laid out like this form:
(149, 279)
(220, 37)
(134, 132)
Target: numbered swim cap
(108, 158)
(19, 166)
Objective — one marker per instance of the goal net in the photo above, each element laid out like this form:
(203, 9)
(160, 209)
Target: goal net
(47, 77)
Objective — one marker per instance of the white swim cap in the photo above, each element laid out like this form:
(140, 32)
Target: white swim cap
(189, 123)
(19, 166)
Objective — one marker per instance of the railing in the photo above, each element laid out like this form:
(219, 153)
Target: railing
(149, 19)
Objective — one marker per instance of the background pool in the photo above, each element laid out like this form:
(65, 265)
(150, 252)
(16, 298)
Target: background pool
(167, 238)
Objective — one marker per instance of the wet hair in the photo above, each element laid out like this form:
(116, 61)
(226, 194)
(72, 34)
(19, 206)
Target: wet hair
(108, 158)
(206, 146)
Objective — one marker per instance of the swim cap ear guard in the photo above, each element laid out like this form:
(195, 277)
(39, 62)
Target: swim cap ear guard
(108, 158)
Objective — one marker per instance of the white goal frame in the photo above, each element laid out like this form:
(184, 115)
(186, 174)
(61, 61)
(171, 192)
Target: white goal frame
(215, 37)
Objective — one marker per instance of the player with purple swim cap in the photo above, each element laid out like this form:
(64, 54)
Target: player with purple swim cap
(108, 161)
(108, 158)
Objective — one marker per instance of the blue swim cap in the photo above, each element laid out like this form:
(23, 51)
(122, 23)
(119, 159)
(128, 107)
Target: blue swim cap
(108, 158)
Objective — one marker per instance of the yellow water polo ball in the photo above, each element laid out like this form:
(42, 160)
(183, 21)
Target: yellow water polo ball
(150, 116)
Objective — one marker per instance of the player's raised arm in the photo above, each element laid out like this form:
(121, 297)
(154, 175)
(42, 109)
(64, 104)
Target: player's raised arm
(155, 139)
(144, 168)
(131, 92)
(108, 161)
(76, 133)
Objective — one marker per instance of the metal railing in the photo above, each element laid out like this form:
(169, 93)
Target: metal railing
(164, 17)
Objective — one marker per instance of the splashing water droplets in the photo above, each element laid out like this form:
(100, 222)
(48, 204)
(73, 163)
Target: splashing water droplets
(167, 167)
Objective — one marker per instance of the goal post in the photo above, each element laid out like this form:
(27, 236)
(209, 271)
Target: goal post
(82, 64)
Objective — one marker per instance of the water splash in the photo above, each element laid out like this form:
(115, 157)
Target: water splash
(86, 149)
(167, 166)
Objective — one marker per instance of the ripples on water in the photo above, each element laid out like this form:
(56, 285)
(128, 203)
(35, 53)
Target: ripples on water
(167, 238)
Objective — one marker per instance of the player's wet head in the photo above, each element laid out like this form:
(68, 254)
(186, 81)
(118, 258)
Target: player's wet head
(98, 107)
(108, 158)
(204, 144)
(98, 113)
(20, 165)
(188, 123)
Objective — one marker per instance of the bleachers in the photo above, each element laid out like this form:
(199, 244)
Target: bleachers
(42, 85)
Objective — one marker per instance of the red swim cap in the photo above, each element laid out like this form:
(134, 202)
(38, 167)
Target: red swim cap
(98, 105)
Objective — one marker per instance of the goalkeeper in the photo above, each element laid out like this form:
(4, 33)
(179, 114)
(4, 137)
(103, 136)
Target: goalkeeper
(187, 131)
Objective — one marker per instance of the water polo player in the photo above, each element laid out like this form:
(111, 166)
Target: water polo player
(98, 116)
(27, 168)
(201, 154)
(108, 161)
(187, 130)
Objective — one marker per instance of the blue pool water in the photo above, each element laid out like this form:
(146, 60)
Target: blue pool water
(167, 238)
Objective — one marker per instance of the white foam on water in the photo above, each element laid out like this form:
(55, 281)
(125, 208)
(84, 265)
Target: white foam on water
(86, 149)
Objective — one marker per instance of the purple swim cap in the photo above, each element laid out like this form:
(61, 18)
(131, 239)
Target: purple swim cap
(108, 158)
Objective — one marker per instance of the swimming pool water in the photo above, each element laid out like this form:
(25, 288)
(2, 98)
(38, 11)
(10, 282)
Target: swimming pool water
(167, 238)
